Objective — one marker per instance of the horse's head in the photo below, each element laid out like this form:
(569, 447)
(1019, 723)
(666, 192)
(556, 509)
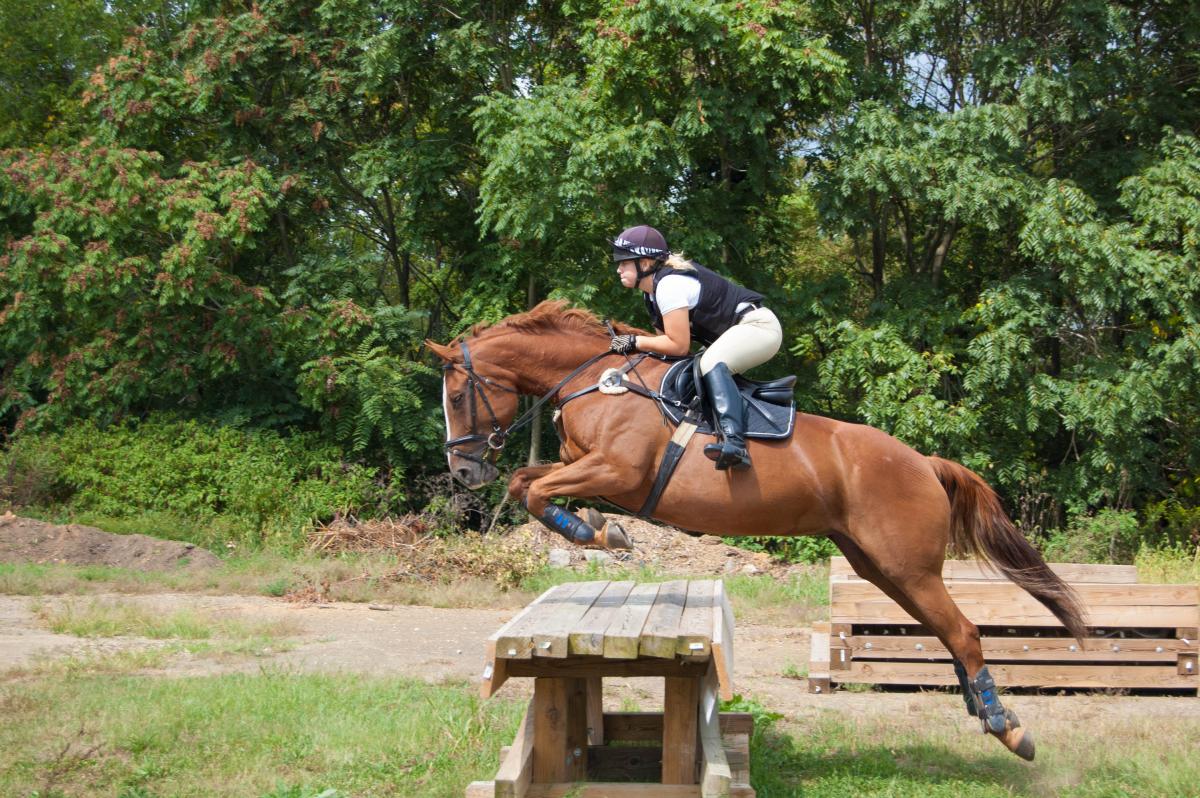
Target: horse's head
(479, 400)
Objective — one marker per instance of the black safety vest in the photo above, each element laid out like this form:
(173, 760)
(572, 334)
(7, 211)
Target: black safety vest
(716, 311)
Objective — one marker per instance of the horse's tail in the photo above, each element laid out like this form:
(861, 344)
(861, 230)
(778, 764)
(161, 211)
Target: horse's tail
(979, 527)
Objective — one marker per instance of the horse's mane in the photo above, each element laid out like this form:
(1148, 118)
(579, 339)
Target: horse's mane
(553, 315)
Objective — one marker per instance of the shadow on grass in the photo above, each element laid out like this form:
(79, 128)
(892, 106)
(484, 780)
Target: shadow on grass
(833, 761)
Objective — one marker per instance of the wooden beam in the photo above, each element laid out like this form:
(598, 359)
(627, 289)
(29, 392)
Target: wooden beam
(560, 730)
(1046, 649)
(515, 639)
(587, 636)
(696, 623)
(595, 710)
(715, 774)
(647, 726)
(1005, 604)
(1021, 675)
(660, 635)
(516, 767)
(973, 570)
(680, 704)
(622, 636)
(495, 672)
(583, 667)
(722, 640)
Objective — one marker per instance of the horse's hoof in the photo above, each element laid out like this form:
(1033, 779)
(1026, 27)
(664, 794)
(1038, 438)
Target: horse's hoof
(613, 537)
(1019, 741)
(592, 517)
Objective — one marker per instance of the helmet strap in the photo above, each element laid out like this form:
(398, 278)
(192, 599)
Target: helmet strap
(641, 275)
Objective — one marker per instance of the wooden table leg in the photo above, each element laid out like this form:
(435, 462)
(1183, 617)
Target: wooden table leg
(595, 710)
(680, 713)
(559, 730)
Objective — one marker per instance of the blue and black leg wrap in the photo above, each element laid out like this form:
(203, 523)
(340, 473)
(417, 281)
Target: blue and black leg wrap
(987, 702)
(960, 671)
(569, 525)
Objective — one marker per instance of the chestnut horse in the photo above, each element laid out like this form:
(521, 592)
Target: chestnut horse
(892, 511)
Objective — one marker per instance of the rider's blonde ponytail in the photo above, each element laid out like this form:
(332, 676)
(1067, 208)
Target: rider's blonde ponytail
(679, 261)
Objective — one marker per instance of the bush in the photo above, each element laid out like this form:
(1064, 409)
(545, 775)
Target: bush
(1112, 536)
(795, 549)
(268, 488)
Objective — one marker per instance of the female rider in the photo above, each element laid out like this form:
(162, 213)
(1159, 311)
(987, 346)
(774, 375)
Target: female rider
(686, 301)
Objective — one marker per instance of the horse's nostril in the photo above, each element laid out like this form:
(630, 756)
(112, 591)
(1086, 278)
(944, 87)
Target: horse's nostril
(463, 473)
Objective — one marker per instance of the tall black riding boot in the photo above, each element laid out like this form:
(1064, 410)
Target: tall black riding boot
(731, 418)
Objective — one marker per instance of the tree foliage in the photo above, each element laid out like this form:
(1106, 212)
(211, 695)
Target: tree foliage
(978, 220)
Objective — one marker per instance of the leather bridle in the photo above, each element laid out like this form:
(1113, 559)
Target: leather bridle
(493, 442)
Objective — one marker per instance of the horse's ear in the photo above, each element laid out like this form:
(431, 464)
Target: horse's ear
(446, 353)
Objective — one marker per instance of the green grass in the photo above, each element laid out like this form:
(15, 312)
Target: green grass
(275, 734)
(246, 735)
(115, 618)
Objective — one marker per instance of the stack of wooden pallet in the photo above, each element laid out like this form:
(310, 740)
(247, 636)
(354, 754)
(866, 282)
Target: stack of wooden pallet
(1141, 635)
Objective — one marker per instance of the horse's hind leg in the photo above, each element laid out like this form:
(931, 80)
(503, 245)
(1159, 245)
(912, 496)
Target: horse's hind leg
(915, 583)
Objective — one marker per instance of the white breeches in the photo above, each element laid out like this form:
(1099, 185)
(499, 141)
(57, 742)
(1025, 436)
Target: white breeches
(752, 341)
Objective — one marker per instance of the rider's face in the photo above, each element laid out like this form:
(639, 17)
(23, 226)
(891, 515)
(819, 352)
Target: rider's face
(627, 271)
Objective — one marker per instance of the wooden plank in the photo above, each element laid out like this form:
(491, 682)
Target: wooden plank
(973, 570)
(622, 636)
(515, 639)
(481, 789)
(559, 730)
(625, 763)
(632, 727)
(680, 702)
(552, 632)
(660, 635)
(1022, 675)
(516, 767)
(495, 671)
(1186, 665)
(1047, 649)
(582, 667)
(595, 710)
(614, 790)
(715, 773)
(696, 623)
(722, 640)
(1005, 604)
(587, 636)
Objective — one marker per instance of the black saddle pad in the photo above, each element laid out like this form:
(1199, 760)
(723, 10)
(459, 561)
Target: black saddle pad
(770, 411)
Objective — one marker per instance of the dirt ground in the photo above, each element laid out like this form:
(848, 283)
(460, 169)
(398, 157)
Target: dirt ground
(29, 540)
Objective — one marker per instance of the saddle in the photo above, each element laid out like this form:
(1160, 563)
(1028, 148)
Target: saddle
(770, 406)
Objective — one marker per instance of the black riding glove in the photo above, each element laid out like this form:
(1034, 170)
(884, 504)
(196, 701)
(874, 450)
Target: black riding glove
(623, 344)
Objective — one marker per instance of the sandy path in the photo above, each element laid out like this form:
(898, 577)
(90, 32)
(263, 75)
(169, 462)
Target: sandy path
(447, 644)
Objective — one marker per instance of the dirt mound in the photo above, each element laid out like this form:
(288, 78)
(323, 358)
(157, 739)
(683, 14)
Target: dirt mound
(28, 540)
(665, 549)
(513, 553)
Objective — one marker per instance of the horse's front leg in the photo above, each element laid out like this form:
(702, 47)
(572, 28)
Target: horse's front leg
(522, 478)
(591, 475)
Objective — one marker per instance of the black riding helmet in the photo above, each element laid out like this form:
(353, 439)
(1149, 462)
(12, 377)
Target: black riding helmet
(642, 241)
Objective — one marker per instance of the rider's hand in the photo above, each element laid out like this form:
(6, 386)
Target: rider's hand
(623, 344)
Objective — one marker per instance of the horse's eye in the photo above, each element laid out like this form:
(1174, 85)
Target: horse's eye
(456, 399)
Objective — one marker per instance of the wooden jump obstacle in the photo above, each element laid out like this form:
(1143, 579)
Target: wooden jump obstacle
(1142, 635)
(575, 635)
